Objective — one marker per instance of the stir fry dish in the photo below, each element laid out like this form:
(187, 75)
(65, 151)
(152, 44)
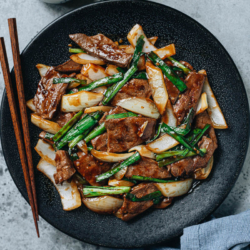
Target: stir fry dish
(124, 127)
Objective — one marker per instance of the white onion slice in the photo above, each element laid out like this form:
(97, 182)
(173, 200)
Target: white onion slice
(46, 151)
(162, 144)
(100, 90)
(93, 71)
(214, 110)
(82, 146)
(173, 189)
(166, 51)
(153, 39)
(31, 105)
(168, 116)
(143, 151)
(141, 63)
(120, 183)
(133, 36)
(42, 68)
(80, 100)
(110, 157)
(119, 175)
(140, 106)
(202, 104)
(111, 70)
(103, 204)
(70, 196)
(83, 58)
(203, 173)
(97, 108)
(129, 49)
(158, 87)
(46, 125)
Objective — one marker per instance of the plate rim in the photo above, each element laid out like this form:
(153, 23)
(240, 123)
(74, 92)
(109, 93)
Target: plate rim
(145, 2)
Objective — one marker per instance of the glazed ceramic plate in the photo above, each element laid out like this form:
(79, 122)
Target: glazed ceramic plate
(195, 45)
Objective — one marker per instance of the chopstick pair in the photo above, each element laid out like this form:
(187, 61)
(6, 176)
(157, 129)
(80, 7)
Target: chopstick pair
(24, 152)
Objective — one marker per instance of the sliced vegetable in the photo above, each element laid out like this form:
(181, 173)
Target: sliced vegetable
(78, 138)
(110, 157)
(83, 58)
(202, 104)
(76, 50)
(153, 39)
(168, 116)
(80, 179)
(141, 106)
(140, 75)
(70, 196)
(102, 82)
(111, 70)
(203, 173)
(197, 138)
(80, 100)
(69, 80)
(134, 35)
(168, 154)
(120, 174)
(121, 115)
(174, 189)
(147, 197)
(138, 49)
(67, 126)
(82, 146)
(100, 90)
(141, 63)
(179, 65)
(118, 183)
(214, 109)
(129, 49)
(46, 151)
(171, 160)
(95, 132)
(46, 125)
(103, 205)
(42, 68)
(167, 71)
(93, 71)
(158, 87)
(132, 159)
(92, 191)
(31, 105)
(162, 144)
(86, 123)
(166, 51)
(180, 139)
(96, 108)
(142, 178)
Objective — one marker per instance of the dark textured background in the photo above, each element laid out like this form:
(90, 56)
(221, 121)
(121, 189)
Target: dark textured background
(195, 45)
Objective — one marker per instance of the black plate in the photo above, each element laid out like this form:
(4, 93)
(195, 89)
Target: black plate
(194, 44)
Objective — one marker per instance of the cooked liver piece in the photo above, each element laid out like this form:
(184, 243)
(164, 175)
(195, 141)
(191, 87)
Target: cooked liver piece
(148, 168)
(63, 118)
(69, 66)
(48, 95)
(100, 142)
(102, 47)
(130, 209)
(189, 99)
(90, 168)
(173, 92)
(134, 88)
(64, 167)
(123, 133)
(116, 110)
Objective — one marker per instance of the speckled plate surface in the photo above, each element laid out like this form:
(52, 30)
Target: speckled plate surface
(193, 44)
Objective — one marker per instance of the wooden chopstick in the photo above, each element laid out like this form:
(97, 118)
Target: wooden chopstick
(16, 125)
(22, 104)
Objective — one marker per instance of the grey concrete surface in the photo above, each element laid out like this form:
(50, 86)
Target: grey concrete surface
(228, 20)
